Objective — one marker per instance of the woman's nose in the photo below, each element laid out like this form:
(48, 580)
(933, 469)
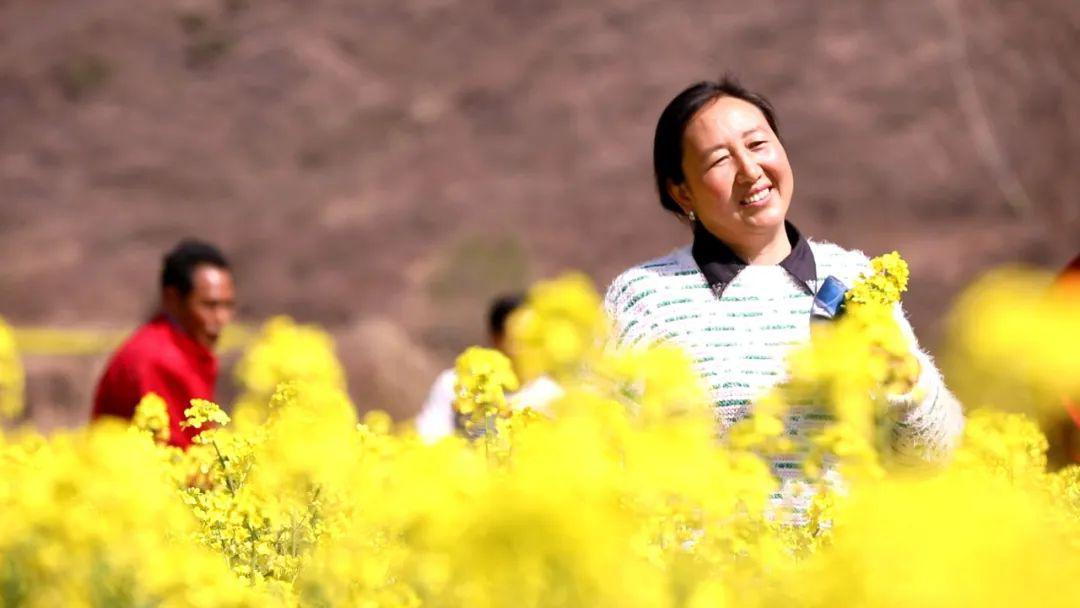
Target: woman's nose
(749, 171)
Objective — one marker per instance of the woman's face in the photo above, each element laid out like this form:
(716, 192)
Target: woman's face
(738, 180)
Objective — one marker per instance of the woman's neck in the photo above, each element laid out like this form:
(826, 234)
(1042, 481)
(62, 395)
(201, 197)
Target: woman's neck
(765, 251)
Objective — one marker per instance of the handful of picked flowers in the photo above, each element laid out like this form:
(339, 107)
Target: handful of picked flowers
(854, 364)
(897, 367)
(884, 285)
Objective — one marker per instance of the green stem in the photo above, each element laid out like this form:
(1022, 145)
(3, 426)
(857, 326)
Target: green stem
(232, 491)
(224, 469)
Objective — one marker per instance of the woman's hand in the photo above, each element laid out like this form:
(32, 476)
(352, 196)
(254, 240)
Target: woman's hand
(902, 371)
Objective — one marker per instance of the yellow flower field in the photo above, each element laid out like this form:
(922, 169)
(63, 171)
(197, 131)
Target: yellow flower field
(621, 496)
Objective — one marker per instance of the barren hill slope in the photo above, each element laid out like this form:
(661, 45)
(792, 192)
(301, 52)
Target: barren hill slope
(382, 167)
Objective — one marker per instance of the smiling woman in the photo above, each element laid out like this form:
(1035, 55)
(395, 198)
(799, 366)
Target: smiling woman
(719, 161)
(742, 295)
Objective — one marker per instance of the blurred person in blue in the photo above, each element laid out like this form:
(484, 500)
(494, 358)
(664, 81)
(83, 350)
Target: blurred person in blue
(437, 418)
(744, 292)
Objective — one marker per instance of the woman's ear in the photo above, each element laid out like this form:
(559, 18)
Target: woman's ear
(681, 194)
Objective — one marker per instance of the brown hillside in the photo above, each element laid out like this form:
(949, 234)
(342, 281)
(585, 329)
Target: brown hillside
(383, 167)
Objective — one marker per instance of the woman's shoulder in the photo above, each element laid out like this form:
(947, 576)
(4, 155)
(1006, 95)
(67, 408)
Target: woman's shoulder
(650, 277)
(834, 260)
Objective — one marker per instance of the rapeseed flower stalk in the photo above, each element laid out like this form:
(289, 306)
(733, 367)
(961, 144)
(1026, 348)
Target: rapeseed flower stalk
(203, 412)
(1004, 444)
(152, 416)
(559, 329)
(283, 351)
(483, 376)
(657, 383)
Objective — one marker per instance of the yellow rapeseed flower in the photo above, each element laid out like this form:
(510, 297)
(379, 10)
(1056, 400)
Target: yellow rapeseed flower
(152, 416)
(884, 285)
(559, 327)
(202, 412)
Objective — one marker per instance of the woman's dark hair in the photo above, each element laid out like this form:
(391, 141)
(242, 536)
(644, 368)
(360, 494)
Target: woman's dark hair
(668, 143)
(500, 310)
(179, 264)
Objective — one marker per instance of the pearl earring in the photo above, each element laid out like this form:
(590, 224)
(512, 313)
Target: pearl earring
(692, 216)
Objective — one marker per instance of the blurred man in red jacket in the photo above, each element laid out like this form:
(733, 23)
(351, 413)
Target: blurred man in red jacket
(1070, 435)
(171, 354)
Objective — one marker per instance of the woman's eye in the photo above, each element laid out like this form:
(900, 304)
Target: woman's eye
(754, 145)
(720, 160)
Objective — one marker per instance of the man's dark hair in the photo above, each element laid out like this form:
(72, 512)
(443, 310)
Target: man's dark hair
(500, 310)
(668, 143)
(179, 265)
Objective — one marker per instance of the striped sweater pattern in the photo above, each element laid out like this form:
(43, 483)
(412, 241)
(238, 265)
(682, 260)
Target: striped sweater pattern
(739, 343)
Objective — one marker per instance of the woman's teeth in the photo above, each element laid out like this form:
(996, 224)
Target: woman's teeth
(757, 197)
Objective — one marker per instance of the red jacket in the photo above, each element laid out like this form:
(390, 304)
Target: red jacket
(1072, 273)
(160, 358)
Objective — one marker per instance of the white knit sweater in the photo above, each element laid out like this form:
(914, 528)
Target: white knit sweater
(739, 341)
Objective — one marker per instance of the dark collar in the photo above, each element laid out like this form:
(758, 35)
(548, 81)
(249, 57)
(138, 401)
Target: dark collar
(721, 265)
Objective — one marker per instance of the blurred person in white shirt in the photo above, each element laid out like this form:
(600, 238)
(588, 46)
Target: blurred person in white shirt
(437, 418)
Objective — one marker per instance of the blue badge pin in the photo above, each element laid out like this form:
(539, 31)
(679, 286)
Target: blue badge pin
(829, 299)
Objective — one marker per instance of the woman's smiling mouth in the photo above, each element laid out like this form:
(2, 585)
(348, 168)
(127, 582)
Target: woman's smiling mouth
(757, 196)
